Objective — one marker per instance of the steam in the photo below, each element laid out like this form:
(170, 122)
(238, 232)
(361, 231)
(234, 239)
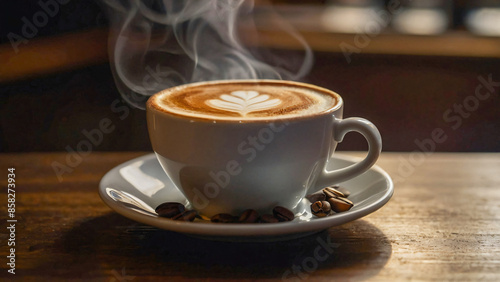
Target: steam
(158, 44)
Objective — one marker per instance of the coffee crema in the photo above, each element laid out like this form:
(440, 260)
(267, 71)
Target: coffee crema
(244, 100)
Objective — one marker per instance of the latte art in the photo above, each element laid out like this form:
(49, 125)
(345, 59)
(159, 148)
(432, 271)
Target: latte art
(244, 102)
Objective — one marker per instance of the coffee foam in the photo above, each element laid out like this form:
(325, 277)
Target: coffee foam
(244, 100)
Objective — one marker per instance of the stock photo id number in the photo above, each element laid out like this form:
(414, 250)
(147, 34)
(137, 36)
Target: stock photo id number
(11, 220)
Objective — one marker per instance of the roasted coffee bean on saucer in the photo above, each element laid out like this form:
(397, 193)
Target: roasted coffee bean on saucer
(223, 218)
(170, 209)
(340, 204)
(249, 216)
(335, 200)
(328, 192)
(331, 192)
(283, 214)
(321, 208)
(188, 215)
(177, 211)
(317, 196)
(339, 190)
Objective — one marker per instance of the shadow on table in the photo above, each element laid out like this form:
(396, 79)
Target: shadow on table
(124, 249)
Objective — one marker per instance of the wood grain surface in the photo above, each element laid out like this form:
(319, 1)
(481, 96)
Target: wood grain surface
(443, 223)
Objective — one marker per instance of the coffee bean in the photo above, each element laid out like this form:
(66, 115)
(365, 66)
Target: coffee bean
(328, 194)
(268, 218)
(317, 196)
(170, 209)
(283, 214)
(331, 192)
(321, 208)
(223, 218)
(249, 216)
(188, 215)
(340, 204)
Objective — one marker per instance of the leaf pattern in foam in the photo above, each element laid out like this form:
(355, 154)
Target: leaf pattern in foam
(243, 102)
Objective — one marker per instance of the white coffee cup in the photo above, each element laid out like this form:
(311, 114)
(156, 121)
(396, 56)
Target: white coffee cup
(227, 164)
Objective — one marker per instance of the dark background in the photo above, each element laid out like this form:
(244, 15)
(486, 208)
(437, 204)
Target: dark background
(404, 95)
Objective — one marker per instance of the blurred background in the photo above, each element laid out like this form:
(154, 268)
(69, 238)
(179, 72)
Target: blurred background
(420, 70)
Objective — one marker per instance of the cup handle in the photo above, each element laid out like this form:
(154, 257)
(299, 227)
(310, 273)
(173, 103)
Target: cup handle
(372, 135)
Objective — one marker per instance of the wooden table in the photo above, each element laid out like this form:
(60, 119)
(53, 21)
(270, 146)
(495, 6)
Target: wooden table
(443, 223)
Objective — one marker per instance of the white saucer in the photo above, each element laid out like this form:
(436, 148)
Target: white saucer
(135, 188)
